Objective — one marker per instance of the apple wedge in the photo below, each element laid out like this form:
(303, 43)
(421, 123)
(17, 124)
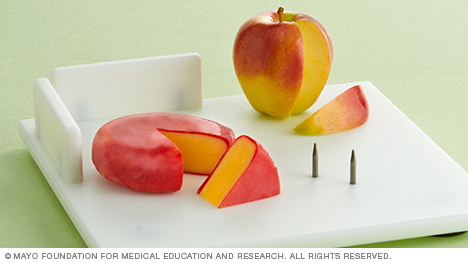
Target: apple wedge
(245, 173)
(347, 111)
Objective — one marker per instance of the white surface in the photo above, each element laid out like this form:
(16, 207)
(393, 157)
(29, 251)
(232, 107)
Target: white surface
(117, 88)
(57, 131)
(406, 187)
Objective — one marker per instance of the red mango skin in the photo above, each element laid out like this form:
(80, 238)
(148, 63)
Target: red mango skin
(259, 181)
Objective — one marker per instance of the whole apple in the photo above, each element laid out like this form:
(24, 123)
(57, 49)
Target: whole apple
(282, 61)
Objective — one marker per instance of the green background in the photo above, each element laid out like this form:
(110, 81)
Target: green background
(413, 51)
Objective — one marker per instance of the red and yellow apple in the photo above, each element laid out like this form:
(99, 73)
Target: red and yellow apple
(149, 152)
(282, 61)
(245, 173)
(347, 111)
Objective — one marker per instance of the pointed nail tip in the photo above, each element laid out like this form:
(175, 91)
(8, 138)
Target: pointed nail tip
(314, 162)
(353, 168)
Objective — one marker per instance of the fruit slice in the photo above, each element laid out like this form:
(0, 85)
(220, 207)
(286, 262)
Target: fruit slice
(245, 173)
(345, 112)
(318, 58)
(149, 152)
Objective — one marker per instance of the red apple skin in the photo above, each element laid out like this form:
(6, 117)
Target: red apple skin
(125, 151)
(259, 181)
(282, 64)
(347, 111)
(272, 54)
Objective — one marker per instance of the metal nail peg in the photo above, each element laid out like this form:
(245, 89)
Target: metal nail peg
(353, 168)
(315, 162)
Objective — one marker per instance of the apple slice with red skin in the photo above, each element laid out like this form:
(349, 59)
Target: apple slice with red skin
(347, 111)
(245, 173)
(136, 151)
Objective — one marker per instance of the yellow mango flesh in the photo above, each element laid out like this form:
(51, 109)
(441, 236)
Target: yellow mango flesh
(317, 64)
(200, 153)
(230, 169)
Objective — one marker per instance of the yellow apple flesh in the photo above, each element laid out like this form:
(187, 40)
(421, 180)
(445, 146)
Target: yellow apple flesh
(347, 111)
(282, 61)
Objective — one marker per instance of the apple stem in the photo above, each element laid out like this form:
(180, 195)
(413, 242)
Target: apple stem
(280, 14)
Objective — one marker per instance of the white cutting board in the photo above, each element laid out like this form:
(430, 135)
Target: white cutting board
(406, 187)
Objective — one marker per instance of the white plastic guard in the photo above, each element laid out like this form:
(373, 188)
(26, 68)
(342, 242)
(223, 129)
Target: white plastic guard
(114, 89)
(108, 90)
(58, 132)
